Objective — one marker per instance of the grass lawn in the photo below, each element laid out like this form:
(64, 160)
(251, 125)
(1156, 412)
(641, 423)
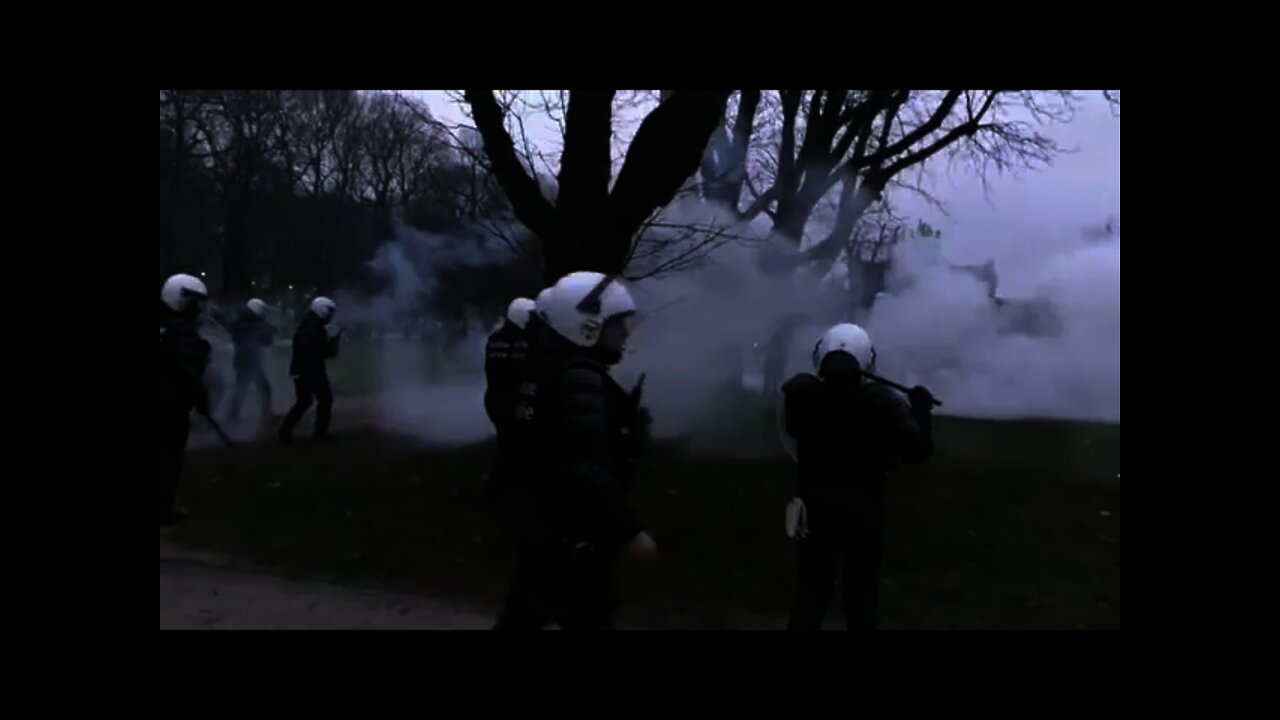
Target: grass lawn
(1010, 525)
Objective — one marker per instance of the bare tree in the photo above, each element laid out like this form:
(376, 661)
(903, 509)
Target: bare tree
(667, 247)
(323, 122)
(385, 141)
(180, 156)
(590, 226)
(724, 164)
(237, 132)
(866, 140)
(347, 147)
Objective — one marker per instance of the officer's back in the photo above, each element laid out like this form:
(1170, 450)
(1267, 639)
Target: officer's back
(311, 347)
(849, 436)
(506, 352)
(506, 355)
(850, 433)
(184, 354)
(250, 334)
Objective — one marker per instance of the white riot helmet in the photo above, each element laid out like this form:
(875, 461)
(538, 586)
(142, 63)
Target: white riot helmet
(580, 303)
(257, 307)
(181, 291)
(851, 339)
(518, 311)
(324, 308)
(541, 301)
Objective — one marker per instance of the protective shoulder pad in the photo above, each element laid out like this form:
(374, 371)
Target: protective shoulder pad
(884, 396)
(801, 383)
(509, 331)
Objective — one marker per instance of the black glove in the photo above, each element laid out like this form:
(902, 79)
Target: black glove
(636, 435)
(641, 427)
(921, 399)
(635, 445)
(643, 421)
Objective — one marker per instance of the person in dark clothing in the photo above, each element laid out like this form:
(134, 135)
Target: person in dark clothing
(848, 434)
(571, 514)
(251, 333)
(184, 356)
(313, 345)
(505, 354)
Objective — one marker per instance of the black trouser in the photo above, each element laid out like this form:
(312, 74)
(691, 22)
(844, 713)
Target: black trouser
(175, 426)
(310, 388)
(847, 535)
(572, 587)
(505, 466)
(255, 376)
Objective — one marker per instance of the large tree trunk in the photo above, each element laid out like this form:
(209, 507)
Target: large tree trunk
(790, 219)
(172, 211)
(585, 169)
(724, 164)
(855, 199)
(590, 228)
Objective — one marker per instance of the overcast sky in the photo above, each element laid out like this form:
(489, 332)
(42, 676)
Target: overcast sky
(1043, 210)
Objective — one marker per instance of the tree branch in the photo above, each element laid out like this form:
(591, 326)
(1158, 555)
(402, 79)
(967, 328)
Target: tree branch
(527, 201)
(786, 176)
(761, 203)
(966, 129)
(711, 237)
(932, 124)
(665, 152)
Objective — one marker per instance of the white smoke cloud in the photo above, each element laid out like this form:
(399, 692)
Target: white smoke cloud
(702, 330)
(943, 332)
(705, 322)
(425, 391)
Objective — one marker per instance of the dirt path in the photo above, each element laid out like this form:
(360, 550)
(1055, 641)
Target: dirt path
(200, 591)
(203, 591)
(438, 414)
